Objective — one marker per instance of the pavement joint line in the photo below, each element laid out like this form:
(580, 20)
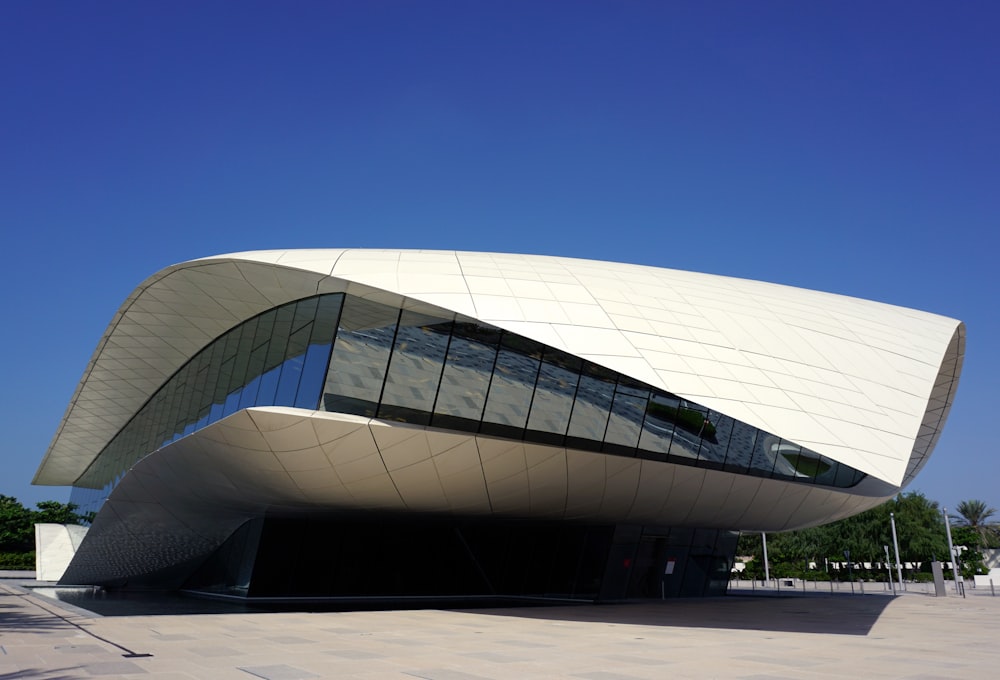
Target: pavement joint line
(129, 654)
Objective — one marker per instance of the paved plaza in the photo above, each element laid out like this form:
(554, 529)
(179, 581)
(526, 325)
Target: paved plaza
(746, 635)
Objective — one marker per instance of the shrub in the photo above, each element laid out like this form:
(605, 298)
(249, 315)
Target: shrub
(17, 560)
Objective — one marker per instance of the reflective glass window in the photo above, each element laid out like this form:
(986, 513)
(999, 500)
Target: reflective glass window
(513, 383)
(554, 394)
(628, 411)
(414, 374)
(276, 352)
(466, 377)
(403, 365)
(762, 462)
(658, 425)
(742, 442)
(255, 367)
(291, 369)
(592, 407)
(689, 424)
(786, 460)
(715, 439)
(238, 378)
(317, 359)
(360, 357)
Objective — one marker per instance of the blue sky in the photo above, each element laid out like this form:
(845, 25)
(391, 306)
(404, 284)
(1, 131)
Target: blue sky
(851, 147)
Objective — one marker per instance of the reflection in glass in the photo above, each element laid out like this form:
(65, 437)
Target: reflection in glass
(589, 420)
(367, 358)
(627, 414)
(411, 383)
(513, 383)
(466, 378)
(554, 394)
(360, 357)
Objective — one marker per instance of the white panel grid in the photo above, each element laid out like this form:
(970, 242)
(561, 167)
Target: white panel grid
(820, 339)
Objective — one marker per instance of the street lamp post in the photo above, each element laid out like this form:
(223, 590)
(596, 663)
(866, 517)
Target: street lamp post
(895, 545)
(888, 569)
(767, 570)
(951, 548)
(850, 569)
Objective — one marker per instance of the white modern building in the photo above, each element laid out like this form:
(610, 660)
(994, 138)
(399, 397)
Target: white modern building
(386, 423)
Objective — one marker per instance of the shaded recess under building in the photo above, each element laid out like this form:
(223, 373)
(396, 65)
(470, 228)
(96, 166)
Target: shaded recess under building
(355, 423)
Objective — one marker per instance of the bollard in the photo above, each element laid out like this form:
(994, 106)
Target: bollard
(992, 592)
(831, 586)
(862, 582)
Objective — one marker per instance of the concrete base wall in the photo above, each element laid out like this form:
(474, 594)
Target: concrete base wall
(55, 545)
(983, 580)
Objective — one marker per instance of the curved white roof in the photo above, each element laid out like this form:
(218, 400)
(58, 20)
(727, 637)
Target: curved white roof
(865, 383)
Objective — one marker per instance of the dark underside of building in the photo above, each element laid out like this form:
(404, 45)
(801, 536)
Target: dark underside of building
(400, 558)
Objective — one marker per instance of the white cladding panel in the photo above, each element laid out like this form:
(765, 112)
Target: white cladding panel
(845, 377)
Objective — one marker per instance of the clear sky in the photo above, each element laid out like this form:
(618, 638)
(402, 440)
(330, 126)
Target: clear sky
(851, 147)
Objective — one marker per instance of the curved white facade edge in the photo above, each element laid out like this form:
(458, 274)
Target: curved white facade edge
(864, 383)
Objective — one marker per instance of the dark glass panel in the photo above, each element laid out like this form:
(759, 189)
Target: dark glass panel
(513, 383)
(466, 378)
(282, 328)
(741, 446)
(658, 425)
(267, 388)
(627, 413)
(786, 459)
(239, 376)
(254, 368)
(305, 313)
(226, 360)
(202, 399)
(327, 317)
(415, 368)
(317, 359)
(288, 381)
(688, 427)
(291, 369)
(313, 374)
(232, 403)
(843, 474)
(179, 406)
(715, 440)
(552, 403)
(360, 357)
(596, 390)
(826, 472)
(762, 463)
(265, 329)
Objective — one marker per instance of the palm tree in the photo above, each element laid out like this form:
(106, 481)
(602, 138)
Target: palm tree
(975, 514)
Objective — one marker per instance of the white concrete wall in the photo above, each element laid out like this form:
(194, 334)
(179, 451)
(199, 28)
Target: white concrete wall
(55, 545)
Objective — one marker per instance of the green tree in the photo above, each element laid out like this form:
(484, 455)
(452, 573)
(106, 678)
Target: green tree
(54, 512)
(17, 530)
(17, 523)
(971, 559)
(975, 515)
(919, 525)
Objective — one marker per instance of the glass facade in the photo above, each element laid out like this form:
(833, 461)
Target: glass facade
(346, 354)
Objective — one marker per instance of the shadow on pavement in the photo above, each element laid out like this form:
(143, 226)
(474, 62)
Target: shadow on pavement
(830, 615)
